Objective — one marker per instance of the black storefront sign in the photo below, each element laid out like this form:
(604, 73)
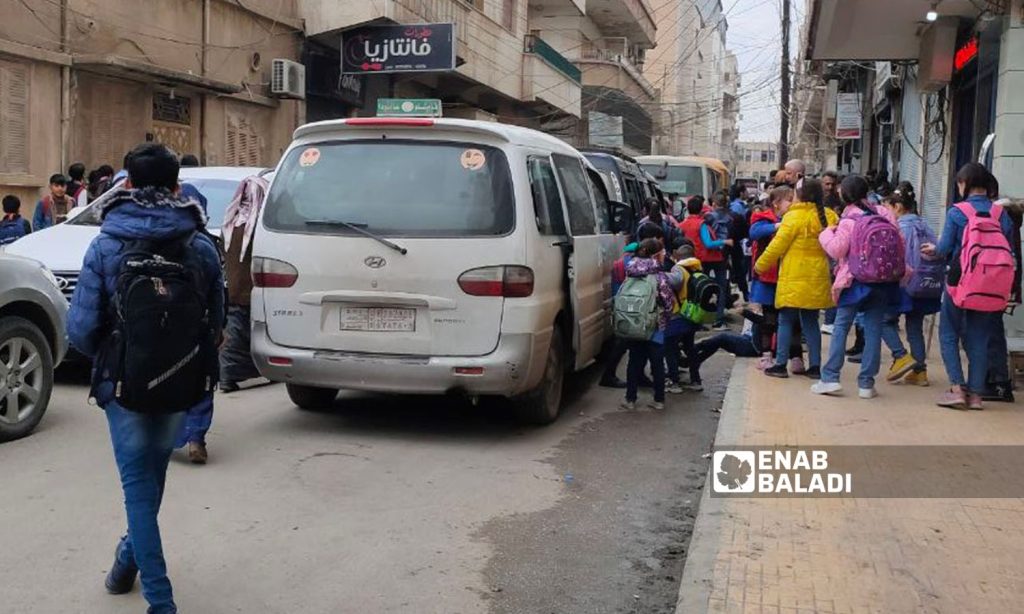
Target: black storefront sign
(398, 48)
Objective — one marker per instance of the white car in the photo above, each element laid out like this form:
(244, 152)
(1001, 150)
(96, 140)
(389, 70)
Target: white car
(62, 247)
(427, 256)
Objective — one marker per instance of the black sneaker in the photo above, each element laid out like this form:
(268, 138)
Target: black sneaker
(855, 358)
(229, 387)
(813, 373)
(779, 371)
(121, 578)
(999, 392)
(721, 325)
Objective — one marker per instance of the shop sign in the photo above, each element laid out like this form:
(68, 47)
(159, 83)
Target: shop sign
(411, 107)
(965, 54)
(848, 116)
(398, 48)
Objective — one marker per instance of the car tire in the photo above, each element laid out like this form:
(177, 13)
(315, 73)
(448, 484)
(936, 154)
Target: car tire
(542, 405)
(26, 379)
(311, 397)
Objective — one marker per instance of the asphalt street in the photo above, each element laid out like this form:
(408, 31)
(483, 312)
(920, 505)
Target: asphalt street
(384, 504)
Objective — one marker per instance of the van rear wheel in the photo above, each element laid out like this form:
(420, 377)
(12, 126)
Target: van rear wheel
(311, 397)
(543, 404)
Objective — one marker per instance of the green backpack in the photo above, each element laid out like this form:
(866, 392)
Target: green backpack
(635, 311)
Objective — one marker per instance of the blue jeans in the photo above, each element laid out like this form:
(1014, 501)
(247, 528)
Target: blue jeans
(972, 329)
(830, 316)
(720, 271)
(197, 423)
(872, 309)
(640, 353)
(788, 317)
(142, 448)
(915, 337)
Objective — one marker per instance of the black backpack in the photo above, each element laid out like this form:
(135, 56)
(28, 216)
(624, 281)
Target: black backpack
(161, 353)
(703, 291)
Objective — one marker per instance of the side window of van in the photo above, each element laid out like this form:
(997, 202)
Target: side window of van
(547, 203)
(604, 222)
(577, 194)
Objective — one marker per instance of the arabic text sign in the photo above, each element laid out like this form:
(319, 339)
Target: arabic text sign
(413, 107)
(848, 116)
(398, 48)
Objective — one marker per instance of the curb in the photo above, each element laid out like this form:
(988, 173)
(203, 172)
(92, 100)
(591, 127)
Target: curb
(698, 571)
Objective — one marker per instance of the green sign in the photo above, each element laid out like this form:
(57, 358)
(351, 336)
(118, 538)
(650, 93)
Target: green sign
(408, 107)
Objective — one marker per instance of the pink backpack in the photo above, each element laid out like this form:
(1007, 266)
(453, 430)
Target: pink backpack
(986, 268)
(876, 253)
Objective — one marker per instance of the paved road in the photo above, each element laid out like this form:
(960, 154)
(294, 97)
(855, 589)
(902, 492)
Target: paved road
(382, 505)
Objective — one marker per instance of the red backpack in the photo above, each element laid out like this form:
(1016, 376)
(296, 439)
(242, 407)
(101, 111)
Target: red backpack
(983, 278)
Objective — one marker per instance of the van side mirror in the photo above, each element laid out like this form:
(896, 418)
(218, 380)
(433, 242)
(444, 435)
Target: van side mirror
(622, 216)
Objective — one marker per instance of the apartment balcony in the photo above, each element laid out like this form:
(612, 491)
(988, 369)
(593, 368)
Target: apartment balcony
(608, 63)
(550, 78)
(633, 19)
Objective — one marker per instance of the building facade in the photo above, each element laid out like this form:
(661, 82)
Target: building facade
(697, 78)
(568, 67)
(756, 160)
(932, 96)
(86, 80)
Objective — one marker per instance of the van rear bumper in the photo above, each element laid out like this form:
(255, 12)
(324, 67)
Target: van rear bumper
(513, 368)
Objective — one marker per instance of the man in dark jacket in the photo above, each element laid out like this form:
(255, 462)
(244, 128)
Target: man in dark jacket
(148, 208)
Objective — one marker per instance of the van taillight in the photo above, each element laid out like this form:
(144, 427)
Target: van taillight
(270, 273)
(506, 281)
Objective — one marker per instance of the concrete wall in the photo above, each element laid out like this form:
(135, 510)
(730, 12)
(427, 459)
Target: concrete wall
(1008, 159)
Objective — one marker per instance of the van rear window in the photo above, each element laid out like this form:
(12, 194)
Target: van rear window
(683, 180)
(393, 188)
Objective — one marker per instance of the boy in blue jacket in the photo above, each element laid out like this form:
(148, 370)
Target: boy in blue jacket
(147, 208)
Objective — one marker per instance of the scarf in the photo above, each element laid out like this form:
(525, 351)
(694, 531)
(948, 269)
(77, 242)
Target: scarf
(151, 198)
(244, 210)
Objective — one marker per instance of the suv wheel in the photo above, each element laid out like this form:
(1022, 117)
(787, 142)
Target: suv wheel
(542, 405)
(310, 397)
(26, 377)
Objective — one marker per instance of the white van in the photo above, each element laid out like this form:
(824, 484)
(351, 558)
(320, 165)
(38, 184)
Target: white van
(415, 255)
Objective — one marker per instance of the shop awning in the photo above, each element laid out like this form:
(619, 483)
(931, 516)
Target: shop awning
(877, 29)
(117, 66)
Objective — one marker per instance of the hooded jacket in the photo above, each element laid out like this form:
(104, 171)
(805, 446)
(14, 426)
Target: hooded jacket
(642, 267)
(804, 276)
(836, 243)
(131, 215)
(762, 229)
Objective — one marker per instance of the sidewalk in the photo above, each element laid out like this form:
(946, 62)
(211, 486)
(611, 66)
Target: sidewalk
(791, 555)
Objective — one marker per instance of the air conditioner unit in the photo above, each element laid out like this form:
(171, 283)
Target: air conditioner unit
(288, 79)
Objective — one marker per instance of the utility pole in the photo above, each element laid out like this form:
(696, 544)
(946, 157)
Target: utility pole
(784, 137)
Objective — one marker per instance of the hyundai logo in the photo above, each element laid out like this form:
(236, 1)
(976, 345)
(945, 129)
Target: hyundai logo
(375, 262)
(63, 283)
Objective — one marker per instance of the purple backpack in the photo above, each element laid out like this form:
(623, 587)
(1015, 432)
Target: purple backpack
(929, 276)
(876, 249)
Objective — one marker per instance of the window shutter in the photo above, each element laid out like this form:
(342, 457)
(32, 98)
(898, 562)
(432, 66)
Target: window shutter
(241, 143)
(14, 78)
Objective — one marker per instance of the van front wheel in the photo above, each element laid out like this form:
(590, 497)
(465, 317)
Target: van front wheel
(542, 405)
(310, 397)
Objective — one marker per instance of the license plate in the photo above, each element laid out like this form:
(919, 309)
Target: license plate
(378, 319)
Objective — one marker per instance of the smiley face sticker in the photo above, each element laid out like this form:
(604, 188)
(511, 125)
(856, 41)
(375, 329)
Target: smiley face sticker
(473, 159)
(309, 157)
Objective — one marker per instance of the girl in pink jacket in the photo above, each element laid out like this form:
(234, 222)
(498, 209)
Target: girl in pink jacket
(853, 297)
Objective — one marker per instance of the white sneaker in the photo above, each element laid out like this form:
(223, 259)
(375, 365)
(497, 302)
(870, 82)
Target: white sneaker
(656, 405)
(674, 388)
(628, 405)
(867, 393)
(827, 329)
(827, 388)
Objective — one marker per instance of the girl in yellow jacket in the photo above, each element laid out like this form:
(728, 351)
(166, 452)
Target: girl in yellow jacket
(805, 281)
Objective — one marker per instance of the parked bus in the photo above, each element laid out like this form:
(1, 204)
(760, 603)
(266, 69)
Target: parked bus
(687, 175)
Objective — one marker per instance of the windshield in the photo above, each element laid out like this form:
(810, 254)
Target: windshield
(683, 180)
(218, 193)
(393, 188)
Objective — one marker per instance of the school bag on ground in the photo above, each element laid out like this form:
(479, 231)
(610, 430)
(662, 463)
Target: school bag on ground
(982, 278)
(161, 354)
(701, 302)
(876, 249)
(635, 310)
(929, 275)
